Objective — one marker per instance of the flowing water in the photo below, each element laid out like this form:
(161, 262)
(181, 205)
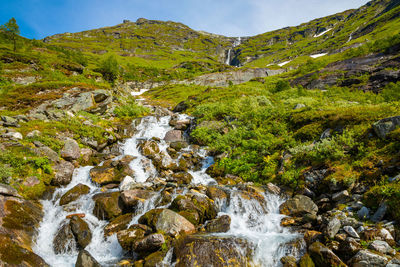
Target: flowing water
(258, 222)
(237, 42)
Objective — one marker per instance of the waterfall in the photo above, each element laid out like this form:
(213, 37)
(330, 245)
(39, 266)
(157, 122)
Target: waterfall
(256, 220)
(236, 43)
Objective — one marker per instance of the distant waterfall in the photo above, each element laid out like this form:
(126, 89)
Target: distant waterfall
(236, 43)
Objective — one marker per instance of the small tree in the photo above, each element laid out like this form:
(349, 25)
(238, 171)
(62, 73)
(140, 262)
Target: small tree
(110, 68)
(11, 29)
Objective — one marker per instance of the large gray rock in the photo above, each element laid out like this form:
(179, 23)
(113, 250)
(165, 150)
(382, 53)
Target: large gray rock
(64, 171)
(363, 213)
(333, 227)
(351, 232)
(174, 136)
(9, 121)
(71, 150)
(167, 221)
(385, 126)
(380, 213)
(131, 198)
(382, 247)
(45, 151)
(81, 231)
(7, 190)
(366, 258)
(86, 260)
(298, 206)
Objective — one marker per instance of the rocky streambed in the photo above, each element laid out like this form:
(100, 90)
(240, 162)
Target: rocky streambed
(155, 205)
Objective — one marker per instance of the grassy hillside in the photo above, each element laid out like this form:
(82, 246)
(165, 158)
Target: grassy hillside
(332, 34)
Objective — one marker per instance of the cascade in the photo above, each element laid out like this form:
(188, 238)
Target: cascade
(255, 220)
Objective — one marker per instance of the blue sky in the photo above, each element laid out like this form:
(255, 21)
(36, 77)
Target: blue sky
(41, 18)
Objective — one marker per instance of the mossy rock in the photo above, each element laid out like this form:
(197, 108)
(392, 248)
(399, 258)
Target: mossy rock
(118, 224)
(306, 261)
(74, 193)
(205, 250)
(107, 206)
(154, 259)
(12, 254)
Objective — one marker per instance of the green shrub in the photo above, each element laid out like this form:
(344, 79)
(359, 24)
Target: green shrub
(391, 92)
(282, 85)
(109, 67)
(130, 109)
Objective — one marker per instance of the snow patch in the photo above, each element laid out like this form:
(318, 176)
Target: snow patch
(322, 33)
(284, 63)
(318, 55)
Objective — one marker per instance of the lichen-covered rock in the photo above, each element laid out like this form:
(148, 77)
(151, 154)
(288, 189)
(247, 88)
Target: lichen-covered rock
(195, 203)
(385, 126)
(298, 206)
(86, 260)
(199, 250)
(221, 224)
(7, 190)
(323, 256)
(131, 198)
(216, 193)
(333, 227)
(107, 205)
(112, 171)
(180, 178)
(167, 221)
(71, 150)
(149, 148)
(64, 171)
(382, 247)
(155, 259)
(366, 258)
(118, 224)
(74, 193)
(150, 243)
(129, 237)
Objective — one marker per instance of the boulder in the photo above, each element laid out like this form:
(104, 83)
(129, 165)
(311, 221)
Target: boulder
(129, 237)
(131, 198)
(107, 205)
(64, 240)
(351, 232)
(385, 126)
(363, 213)
(19, 221)
(221, 224)
(71, 150)
(341, 196)
(298, 206)
(74, 193)
(199, 250)
(150, 243)
(155, 259)
(216, 193)
(180, 178)
(44, 151)
(81, 231)
(366, 258)
(86, 260)
(380, 213)
(289, 261)
(112, 171)
(64, 171)
(149, 148)
(174, 136)
(118, 224)
(198, 203)
(333, 227)
(382, 247)
(167, 221)
(7, 190)
(9, 121)
(323, 256)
